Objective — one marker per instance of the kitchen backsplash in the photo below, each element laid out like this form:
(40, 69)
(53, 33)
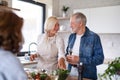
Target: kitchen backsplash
(110, 43)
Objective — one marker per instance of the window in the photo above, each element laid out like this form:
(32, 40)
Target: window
(34, 17)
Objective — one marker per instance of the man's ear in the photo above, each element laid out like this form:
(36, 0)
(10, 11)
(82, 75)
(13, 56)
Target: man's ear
(80, 23)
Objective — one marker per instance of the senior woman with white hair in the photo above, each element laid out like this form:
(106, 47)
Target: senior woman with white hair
(50, 50)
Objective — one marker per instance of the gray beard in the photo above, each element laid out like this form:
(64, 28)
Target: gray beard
(75, 30)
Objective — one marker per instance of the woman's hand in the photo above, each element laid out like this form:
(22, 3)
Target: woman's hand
(61, 63)
(72, 59)
(33, 56)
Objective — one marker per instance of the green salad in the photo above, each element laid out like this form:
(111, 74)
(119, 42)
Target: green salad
(62, 74)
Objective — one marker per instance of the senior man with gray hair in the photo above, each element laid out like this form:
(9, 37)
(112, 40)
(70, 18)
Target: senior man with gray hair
(85, 46)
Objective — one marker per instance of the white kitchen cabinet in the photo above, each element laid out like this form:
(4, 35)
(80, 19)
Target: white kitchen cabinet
(103, 19)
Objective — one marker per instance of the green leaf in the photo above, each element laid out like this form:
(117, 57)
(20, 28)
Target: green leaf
(62, 74)
(33, 74)
(112, 69)
(43, 76)
(65, 8)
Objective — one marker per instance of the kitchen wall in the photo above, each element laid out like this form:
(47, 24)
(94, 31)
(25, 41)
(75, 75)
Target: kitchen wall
(9, 2)
(54, 6)
(103, 19)
(80, 4)
(111, 45)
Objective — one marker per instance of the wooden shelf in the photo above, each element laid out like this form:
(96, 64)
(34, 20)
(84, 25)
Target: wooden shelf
(63, 18)
(64, 31)
(9, 8)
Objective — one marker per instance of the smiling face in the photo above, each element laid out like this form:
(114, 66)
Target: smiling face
(55, 29)
(51, 26)
(75, 25)
(78, 22)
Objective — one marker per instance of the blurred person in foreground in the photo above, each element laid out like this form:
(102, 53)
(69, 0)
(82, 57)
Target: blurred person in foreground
(50, 50)
(86, 48)
(11, 41)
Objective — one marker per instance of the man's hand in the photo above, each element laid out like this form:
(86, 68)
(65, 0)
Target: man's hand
(72, 59)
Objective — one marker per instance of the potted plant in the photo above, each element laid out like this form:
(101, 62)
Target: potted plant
(65, 9)
(112, 71)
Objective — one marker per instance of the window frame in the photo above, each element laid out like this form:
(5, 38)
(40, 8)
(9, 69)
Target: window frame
(44, 10)
(43, 17)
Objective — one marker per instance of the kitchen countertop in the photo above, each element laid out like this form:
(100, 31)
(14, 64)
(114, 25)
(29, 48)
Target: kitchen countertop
(75, 78)
(72, 78)
(29, 63)
(26, 62)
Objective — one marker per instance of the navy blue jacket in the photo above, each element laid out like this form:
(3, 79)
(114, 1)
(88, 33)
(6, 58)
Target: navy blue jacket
(90, 52)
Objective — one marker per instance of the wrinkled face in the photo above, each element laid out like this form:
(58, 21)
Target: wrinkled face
(55, 29)
(75, 25)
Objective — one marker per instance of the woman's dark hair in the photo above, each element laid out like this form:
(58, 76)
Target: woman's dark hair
(11, 38)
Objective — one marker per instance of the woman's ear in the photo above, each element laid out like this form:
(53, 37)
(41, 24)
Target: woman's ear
(47, 31)
(56, 27)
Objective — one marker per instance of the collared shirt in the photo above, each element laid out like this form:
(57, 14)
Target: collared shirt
(90, 52)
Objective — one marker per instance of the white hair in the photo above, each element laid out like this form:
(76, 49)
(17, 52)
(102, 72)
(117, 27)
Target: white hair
(80, 17)
(50, 23)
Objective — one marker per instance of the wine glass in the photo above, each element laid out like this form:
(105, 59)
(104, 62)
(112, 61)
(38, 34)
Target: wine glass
(69, 51)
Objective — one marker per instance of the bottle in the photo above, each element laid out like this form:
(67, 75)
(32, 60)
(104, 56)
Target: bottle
(80, 69)
(26, 56)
